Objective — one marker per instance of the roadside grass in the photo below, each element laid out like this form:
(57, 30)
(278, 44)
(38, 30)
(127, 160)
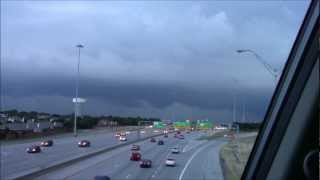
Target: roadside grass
(213, 136)
(233, 160)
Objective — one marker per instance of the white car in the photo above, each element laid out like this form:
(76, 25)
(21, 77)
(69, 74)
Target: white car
(170, 162)
(142, 132)
(122, 138)
(175, 150)
(156, 131)
(127, 132)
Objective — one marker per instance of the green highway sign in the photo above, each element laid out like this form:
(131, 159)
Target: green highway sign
(158, 124)
(204, 125)
(181, 124)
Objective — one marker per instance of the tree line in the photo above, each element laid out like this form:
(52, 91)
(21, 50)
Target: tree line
(83, 122)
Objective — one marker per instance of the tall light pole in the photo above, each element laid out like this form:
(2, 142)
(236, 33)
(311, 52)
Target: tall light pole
(234, 106)
(76, 104)
(244, 110)
(234, 102)
(273, 71)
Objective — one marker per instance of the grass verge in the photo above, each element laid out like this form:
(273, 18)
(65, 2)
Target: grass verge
(212, 137)
(233, 160)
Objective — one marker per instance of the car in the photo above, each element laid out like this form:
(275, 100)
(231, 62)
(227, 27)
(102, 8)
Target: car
(135, 147)
(84, 143)
(170, 162)
(101, 178)
(188, 132)
(160, 142)
(181, 136)
(127, 132)
(117, 134)
(176, 135)
(135, 156)
(166, 135)
(33, 149)
(46, 143)
(122, 138)
(145, 163)
(152, 140)
(175, 150)
(229, 135)
(142, 132)
(156, 131)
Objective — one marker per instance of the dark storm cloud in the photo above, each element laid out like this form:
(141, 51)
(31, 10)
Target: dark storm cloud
(142, 57)
(134, 95)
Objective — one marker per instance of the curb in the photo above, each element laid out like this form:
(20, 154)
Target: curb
(30, 174)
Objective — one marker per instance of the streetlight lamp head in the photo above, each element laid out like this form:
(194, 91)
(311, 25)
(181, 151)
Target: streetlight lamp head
(241, 50)
(79, 46)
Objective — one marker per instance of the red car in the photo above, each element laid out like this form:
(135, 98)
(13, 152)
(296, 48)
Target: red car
(135, 156)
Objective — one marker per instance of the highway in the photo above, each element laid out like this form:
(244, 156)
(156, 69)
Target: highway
(197, 160)
(15, 160)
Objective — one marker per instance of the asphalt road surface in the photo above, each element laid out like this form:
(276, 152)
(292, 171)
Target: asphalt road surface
(196, 160)
(14, 158)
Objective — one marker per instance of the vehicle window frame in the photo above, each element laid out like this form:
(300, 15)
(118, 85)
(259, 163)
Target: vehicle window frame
(263, 150)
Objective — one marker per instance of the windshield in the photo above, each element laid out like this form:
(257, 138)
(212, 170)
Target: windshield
(97, 77)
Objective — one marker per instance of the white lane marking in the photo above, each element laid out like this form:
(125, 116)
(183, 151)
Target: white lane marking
(184, 149)
(161, 165)
(189, 161)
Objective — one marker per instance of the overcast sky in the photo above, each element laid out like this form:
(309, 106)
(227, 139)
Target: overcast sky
(172, 60)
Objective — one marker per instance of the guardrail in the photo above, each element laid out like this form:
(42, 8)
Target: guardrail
(38, 171)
